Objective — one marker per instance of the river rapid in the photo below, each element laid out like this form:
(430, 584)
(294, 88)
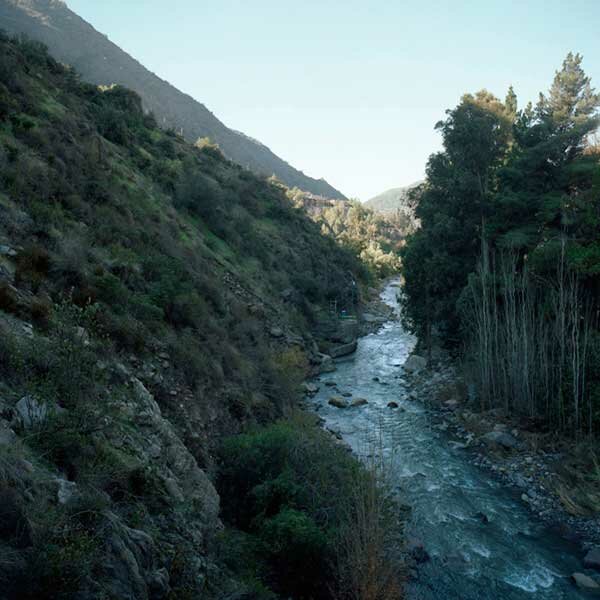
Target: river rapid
(512, 555)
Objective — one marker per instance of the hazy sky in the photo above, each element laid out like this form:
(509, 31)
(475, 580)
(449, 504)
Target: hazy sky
(349, 90)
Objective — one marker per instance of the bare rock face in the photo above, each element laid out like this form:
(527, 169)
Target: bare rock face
(31, 413)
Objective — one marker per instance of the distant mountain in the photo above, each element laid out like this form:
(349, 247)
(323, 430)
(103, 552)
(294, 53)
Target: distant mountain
(392, 201)
(75, 42)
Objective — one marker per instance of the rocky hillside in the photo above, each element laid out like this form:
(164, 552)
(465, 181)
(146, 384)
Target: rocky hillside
(154, 297)
(75, 42)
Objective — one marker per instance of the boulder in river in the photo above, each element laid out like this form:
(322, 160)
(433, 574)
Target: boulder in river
(415, 363)
(585, 582)
(338, 402)
(482, 517)
(359, 402)
(392, 404)
(592, 559)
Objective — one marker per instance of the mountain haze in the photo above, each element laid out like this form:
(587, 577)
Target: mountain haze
(72, 40)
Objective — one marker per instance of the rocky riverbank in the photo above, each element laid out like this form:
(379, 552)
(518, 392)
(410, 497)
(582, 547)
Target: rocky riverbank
(532, 462)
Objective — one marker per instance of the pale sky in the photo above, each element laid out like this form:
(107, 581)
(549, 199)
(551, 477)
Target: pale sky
(349, 90)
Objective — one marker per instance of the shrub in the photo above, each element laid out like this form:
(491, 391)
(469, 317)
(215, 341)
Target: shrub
(33, 264)
(305, 506)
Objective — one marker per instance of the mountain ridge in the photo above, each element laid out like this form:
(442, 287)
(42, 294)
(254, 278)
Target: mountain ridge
(72, 40)
(391, 201)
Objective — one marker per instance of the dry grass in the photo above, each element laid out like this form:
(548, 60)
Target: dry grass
(368, 564)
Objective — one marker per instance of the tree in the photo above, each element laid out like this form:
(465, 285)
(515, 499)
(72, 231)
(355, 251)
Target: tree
(453, 207)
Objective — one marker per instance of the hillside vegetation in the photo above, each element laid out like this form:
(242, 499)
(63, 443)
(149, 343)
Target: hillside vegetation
(374, 238)
(154, 298)
(75, 42)
(505, 267)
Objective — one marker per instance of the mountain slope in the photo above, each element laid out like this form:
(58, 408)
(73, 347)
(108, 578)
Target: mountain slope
(391, 201)
(154, 297)
(72, 40)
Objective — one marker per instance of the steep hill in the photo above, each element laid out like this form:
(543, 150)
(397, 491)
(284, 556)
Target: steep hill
(74, 41)
(154, 297)
(391, 201)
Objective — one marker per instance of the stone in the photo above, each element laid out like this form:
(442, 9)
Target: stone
(415, 363)
(276, 332)
(7, 251)
(343, 349)
(347, 394)
(592, 559)
(500, 438)
(30, 412)
(82, 335)
(359, 402)
(327, 365)
(370, 318)
(173, 490)
(482, 517)
(330, 383)
(7, 436)
(65, 490)
(585, 582)
(338, 402)
(392, 404)
(310, 388)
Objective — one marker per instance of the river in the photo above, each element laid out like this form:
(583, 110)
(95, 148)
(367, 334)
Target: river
(513, 555)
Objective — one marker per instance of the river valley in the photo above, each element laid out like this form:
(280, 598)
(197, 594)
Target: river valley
(482, 541)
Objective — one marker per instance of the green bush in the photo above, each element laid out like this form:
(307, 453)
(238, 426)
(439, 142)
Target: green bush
(287, 486)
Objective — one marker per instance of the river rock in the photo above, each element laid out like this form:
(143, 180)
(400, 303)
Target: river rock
(500, 438)
(310, 388)
(585, 582)
(592, 559)
(343, 349)
(415, 363)
(338, 402)
(347, 394)
(330, 383)
(482, 517)
(359, 402)
(392, 404)
(276, 332)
